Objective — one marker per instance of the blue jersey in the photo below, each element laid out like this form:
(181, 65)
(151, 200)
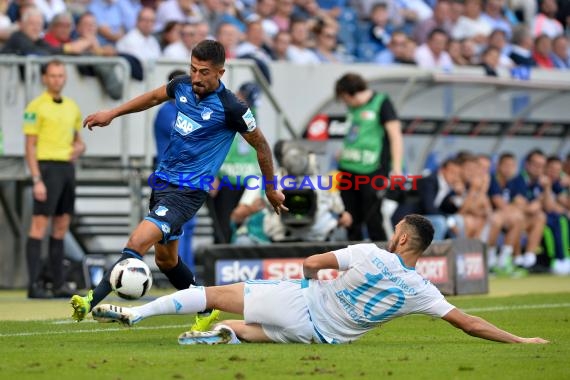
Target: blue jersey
(203, 133)
(163, 127)
(521, 185)
(496, 189)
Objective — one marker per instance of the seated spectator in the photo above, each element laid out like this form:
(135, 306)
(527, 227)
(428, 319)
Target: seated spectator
(469, 51)
(472, 24)
(27, 40)
(494, 16)
(282, 15)
(298, 51)
(561, 207)
(566, 167)
(542, 51)
(229, 36)
(545, 21)
(182, 48)
(502, 200)
(490, 61)
(438, 200)
(521, 49)
(110, 23)
(441, 19)
(281, 44)
(532, 192)
(7, 27)
(498, 40)
(560, 184)
(50, 8)
(87, 29)
(326, 43)
(181, 11)
(140, 42)
(265, 10)
(559, 55)
(59, 34)
(432, 54)
(380, 29)
(254, 43)
(170, 34)
(397, 51)
(455, 53)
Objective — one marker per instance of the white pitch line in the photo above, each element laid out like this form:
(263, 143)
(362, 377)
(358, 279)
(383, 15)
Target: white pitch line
(93, 330)
(470, 310)
(517, 307)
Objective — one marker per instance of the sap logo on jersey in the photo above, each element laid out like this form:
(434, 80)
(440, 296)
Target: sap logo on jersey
(230, 271)
(184, 125)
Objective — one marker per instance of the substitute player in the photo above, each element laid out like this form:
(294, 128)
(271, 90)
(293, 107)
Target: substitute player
(376, 287)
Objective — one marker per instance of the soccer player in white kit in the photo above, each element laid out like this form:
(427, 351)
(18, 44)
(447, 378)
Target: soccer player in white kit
(375, 286)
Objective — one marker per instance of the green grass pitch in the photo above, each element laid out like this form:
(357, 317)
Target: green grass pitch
(38, 341)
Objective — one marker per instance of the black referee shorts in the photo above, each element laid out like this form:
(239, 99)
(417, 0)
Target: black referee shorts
(59, 179)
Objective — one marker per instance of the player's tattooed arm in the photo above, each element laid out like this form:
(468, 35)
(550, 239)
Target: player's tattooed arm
(265, 160)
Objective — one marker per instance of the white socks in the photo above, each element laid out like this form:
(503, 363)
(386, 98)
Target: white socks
(505, 256)
(186, 301)
(529, 259)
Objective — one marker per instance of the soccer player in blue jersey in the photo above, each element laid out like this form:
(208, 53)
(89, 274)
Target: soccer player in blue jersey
(209, 116)
(377, 286)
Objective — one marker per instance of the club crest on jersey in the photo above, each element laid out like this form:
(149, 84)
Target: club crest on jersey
(161, 211)
(206, 113)
(185, 125)
(183, 99)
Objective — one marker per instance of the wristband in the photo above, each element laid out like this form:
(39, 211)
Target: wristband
(36, 179)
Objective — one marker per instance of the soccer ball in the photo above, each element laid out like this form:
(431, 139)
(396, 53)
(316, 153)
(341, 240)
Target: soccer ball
(131, 279)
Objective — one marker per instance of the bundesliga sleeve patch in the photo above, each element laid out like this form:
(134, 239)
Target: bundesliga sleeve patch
(249, 120)
(30, 117)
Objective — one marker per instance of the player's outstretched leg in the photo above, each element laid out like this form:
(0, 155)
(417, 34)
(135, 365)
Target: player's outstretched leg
(83, 305)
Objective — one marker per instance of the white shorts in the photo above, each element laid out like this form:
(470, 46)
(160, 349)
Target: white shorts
(280, 308)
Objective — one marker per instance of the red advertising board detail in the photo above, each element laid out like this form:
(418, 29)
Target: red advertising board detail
(277, 269)
(433, 268)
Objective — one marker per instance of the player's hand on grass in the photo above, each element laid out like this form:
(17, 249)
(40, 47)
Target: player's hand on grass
(99, 119)
(276, 198)
(536, 340)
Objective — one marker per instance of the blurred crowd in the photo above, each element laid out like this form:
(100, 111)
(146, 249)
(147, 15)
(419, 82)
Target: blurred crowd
(520, 210)
(494, 34)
